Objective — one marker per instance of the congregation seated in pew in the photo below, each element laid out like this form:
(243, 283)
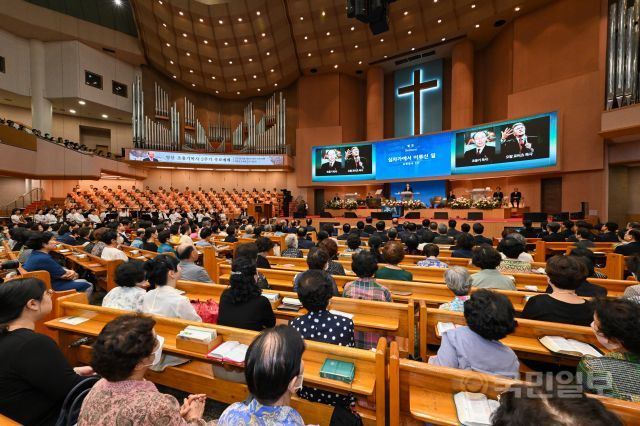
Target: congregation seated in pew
(393, 254)
(242, 304)
(35, 377)
(431, 252)
(132, 283)
(164, 246)
(264, 245)
(111, 250)
(124, 350)
(490, 317)
(458, 280)
(291, 244)
(250, 251)
(189, 270)
(317, 260)
(563, 304)
(331, 247)
(488, 259)
(512, 248)
(586, 289)
(464, 245)
(149, 239)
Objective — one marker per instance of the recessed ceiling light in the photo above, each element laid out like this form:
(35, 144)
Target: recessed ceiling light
(246, 41)
(255, 76)
(336, 66)
(72, 111)
(473, 6)
(268, 53)
(164, 24)
(328, 33)
(230, 62)
(239, 19)
(206, 42)
(306, 37)
(444, 38)
(406, 12)
(117, 2)
(359, 62)
(82, 102)
(220, 21)
(250, 59)
(355, 47)
(210, 60)
(439, 21)
(213, 77)
(302, 18)
(276, 85)
(331, 51)
(105, 116)
(381, 40)
(191, 71)
(188, 54)
(237, 93)
(226, 43)
(171, 62)
(217, 91)
(168, 44)
(309, 54)
(385, 56)
(413, 48)
(174, 76)
(181, 13)
(264, 34)
(323, 14)
(409, 32)
(353, 28)
(477, 25)
(201, 20)
(193, 84)
(235, 79)
(435, 1)
(160, 1)
(258, 89)
(272, 70)
(258, 12)
(517, 9)
(184, 34)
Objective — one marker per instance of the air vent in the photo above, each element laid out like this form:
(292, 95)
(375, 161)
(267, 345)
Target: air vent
(415, 57)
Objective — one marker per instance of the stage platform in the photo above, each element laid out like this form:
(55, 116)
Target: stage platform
(502, 213)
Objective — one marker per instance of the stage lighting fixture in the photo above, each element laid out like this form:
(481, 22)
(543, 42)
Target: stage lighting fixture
(372, 12)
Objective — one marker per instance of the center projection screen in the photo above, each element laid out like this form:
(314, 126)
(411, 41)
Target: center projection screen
(524, 143)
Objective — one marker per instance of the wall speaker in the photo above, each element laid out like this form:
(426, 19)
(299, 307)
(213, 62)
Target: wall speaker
(475, 216)
(441, 215)
(412, 215)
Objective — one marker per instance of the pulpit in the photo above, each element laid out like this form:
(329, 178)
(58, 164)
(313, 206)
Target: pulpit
(260, 210)
(351, 196)
(408, 195)
(479, 193)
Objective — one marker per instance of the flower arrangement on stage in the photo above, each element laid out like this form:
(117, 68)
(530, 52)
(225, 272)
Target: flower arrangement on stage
(461, 203)
(487, 203)
(341, 205)
(406, 204)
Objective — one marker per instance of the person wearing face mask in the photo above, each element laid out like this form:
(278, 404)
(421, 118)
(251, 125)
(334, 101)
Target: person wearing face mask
(163, 272)
(274, 371)
(616, 324)
(242, 305)
(35, 377)
(123, 396)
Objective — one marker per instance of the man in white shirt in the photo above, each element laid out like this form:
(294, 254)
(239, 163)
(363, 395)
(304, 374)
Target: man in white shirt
(79, 218)
(111, 251)
(71, 216)
(175, 217)
(93, 217)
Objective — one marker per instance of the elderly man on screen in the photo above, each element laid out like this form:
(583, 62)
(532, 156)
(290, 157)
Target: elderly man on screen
(354, 161)
(515, 141)
(333, 164)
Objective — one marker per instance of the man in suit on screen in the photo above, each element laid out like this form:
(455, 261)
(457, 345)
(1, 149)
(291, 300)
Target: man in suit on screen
(516, 144)
(481, 153)
(332, 166)
(356, 163)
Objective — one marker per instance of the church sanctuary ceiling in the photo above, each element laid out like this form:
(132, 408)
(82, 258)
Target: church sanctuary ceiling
(243, 48)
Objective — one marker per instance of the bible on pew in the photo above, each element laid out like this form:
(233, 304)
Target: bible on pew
(474, 409)
(290, 304)
(443, 327)
(231, 352)
(571, 347)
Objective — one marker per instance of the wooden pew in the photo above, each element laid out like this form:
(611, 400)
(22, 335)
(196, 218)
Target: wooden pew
(101, 268)
(419, 392)
(524, 340)
(6, 421)
(196, 377)
(544, 249)
(387, 319)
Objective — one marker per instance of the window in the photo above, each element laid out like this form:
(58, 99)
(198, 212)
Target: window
(2, 69)
(92, 79)
(119, 89)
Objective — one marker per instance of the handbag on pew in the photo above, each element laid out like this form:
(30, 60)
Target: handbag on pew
(208, 310)
(73, 402)
(343, 416)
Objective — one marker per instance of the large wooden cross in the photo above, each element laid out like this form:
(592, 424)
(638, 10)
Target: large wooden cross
(415, 89)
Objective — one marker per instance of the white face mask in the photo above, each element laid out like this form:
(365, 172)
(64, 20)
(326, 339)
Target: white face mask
(299, 386)
(157, 354)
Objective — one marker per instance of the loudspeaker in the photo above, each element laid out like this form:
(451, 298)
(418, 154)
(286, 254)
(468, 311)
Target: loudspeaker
(576, 216)
(561, 216)
(362, 10)
(351, 8)
(297, 215)
(535, 216)
(350, 215)
(325, 214)
(380, 25)
(475, 216)
(381, 215)
(441, 215)
(412, 215)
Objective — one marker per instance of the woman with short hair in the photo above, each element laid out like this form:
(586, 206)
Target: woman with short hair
(487, 259)
(122, 353)
(291, 242)
(264, 245)
(149, 239)
(131, 283)
(317, 260)
(331, 247)
(490, 317)
(393, 254)
(512, 248)
(458, 280)
(111, 251)
(35, 377)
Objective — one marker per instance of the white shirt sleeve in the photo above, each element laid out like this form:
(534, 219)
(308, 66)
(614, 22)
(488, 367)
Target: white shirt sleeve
(186, 311)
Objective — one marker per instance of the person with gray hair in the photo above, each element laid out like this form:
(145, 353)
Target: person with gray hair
(248, 232)
(524, 256)
(442, 237)
(458, 280)
(291, 241)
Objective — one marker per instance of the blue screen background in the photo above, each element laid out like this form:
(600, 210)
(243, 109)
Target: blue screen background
(420, 156)
(422, 190)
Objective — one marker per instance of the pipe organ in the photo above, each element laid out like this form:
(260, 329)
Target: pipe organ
(174, 130)
(623, 74)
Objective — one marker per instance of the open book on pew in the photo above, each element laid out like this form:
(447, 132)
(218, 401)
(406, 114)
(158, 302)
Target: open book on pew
(290, 304)
(474, 409)
(443, 327)
(231, 352)
(572, 347)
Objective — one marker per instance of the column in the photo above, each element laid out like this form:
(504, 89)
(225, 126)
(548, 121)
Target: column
(375, 103)
(41, 112)
(462, 85)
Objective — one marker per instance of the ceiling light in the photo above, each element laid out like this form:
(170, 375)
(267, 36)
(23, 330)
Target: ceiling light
(355, 47)
(302, 18)
(336, 66)
(193, 84)
(473, 6)
(258, 12)
(168, 44)
(184, 34)
(160, 1)
(237, 93)
(191, 71)
(323, 14)
(239, 19)
(353, 28)
(171, 62)
(272, 70)
(328, 33)
(264, 34)
(258, 89)
(226, 43)
(439, 21)
(210, 60)
(181, 13)
(517, 9)
(246, 41)
(213, 77)
(477, 25)
(72, 111)
(230, 62)
(81, 102)
(235, 79)
(217, 91)
(188, 54)
(359, 62)
(164, 25)
(105, 116)
(309, 54)
(220, 21)
(409, 32)
(385, 56)
(444, 38)
(406, 12)
(206, 42)
(201, 20)
(413, 48)
(268, 53)
(381, 40)
(331, 51)
(174, 76)
(250, 59)
(255, 76)
(306, 37)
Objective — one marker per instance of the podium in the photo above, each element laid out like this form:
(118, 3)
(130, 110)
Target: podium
(407, 195)
(260, 211)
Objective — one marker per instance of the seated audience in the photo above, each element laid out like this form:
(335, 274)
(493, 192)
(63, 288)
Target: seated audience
(321, 325)
(346, 229)
(452, 231)
(164, 246)
(67, 235)
(524, 256)
(163, 272)
(292, 250)
(512, 248)
(353, 245)
(582, 238)
(242, 304)
(458, 280)
(442, 237)
(204, 234)
(149, 239)
(490, 317)
(632, 247)
(96, 246)
(264, 247)
(35, 376)
(139, 239)
(185, 234)
(317, 260)
(111, 250)
(303, 243)
(374, 247)
(587, 289)
(553, 235)
(365, 287)
(487, 259)
(380, 231)
(41, 260)
(274, 372)
(431, 252)
(188, 255)
(392, 234)
(608, 233)
(393, 253)
(528, 231)
(132, 282)
(82, 235)
(412, 241)
(565, 273)
(331, 247)
(250, 251)
(478, 238)
(231, 235)
(524, 404)
(616, 324)
(122, 353)
(464, 244)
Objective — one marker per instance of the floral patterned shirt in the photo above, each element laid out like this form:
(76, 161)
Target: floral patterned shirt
(256, 414)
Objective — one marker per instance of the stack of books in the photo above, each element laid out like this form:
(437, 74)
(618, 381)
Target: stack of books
(290, 304)
(197, 339)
